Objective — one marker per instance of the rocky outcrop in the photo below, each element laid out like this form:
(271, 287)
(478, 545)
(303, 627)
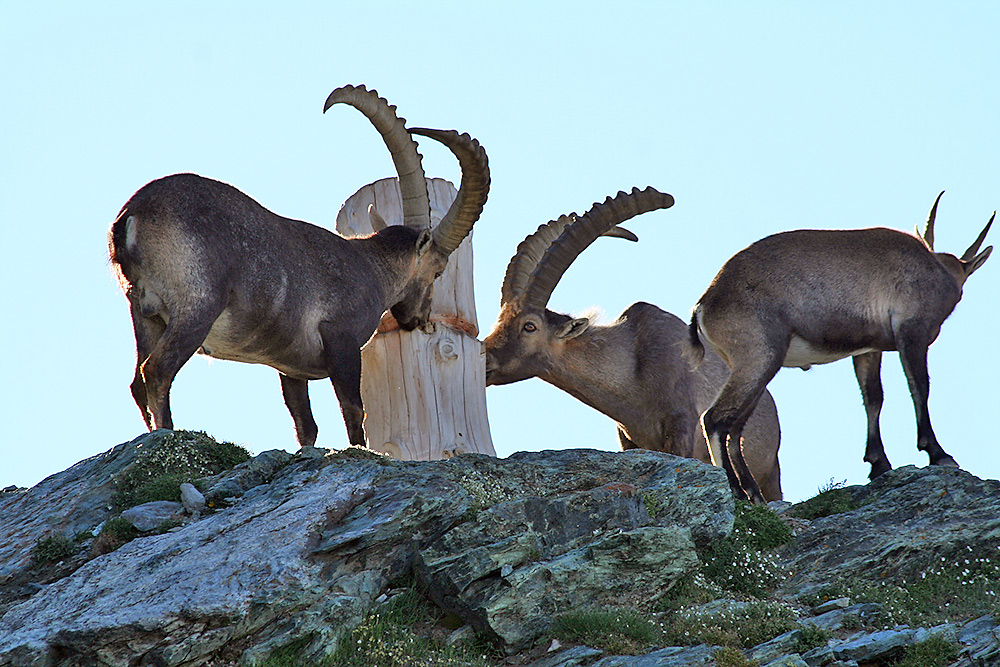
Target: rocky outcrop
(302, 547)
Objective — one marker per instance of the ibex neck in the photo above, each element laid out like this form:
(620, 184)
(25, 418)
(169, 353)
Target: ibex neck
(391, 254)
(594, 369)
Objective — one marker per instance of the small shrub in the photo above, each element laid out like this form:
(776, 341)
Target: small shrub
(404, 632)
(832, 498)
(181, 456)
(760, 526)
(955, 588)
(740, 563)
(731, 657)
(933, 652)
(743, 625)
(52, 549)
(289, 655)
(114, 533)
(691, 589)
(810, 637)
(618, 632)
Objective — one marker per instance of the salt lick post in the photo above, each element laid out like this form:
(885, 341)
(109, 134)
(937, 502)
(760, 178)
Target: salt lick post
(424, 391)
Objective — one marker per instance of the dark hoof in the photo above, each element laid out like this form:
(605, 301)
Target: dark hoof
(946, 461)
(879, 469)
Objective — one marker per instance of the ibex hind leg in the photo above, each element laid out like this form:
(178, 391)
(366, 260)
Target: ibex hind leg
(181, 338)
(296, 395)
(342, 354)
(867, 369)
(147, 332)
(724, 421)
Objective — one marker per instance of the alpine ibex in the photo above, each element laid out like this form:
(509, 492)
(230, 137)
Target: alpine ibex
(631, 370)
(814, 296)
(206, 268)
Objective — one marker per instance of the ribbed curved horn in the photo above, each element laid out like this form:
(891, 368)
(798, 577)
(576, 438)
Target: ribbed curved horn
(974, 248)
(575, 238)
(929, 226)
(412, 186)
(530, 251)
(471, 198)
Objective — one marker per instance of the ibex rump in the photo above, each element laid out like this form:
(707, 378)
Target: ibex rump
(814, 296)
(206, 268)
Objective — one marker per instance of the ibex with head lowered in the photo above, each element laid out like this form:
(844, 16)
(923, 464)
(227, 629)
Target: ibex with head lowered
(814, 296)
(206, 268)
(631, 370)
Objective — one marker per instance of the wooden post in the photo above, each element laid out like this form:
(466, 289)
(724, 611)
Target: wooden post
(424, 391)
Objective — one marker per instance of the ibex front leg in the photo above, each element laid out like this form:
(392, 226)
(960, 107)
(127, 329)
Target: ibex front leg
(342, 354)
(912, 342)
(867, 368)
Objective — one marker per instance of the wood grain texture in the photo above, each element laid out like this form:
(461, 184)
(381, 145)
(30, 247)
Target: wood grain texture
(424, 391)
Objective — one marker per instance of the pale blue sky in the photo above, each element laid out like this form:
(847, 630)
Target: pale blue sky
(757, 117)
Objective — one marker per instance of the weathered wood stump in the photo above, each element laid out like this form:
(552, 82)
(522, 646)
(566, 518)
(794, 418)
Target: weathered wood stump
(424, 391)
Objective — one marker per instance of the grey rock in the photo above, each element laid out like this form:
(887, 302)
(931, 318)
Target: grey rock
(783, 645)
(672, 656)
(577, 656)
(909, 520)
(522, 561)
(788, 661)
(835, 620)
(462, 636)
(152, 515)
(821, 655)
(831, 605)
(248, 475)
(192, 499)
(882, 645)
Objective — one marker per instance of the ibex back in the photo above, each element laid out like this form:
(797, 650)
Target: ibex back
(206, 268)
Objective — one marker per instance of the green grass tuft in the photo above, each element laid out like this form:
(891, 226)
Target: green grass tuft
(832, 498)
(181, 456)
(52, 549)
(933, 652)
(617, 632)
(732, 657)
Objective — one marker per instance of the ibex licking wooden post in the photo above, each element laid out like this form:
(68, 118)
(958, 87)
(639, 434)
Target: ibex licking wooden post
(632, 370)
(814, 296)
(206, 268)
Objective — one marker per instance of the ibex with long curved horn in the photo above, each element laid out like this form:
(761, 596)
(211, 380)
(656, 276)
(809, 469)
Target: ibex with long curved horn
(206, 268)
(814, 296)
(631, 370)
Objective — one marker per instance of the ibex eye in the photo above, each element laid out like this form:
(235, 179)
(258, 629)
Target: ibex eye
(530, 326)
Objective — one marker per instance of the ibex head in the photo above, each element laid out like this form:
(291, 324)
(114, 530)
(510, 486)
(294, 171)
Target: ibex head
(959, 267)
(430, 247)
(526, 337)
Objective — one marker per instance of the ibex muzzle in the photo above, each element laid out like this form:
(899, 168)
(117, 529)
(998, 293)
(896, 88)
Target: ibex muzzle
(206, 268)
(814, 296)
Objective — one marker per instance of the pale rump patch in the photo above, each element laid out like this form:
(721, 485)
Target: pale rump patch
(715, 450)
(131, 237)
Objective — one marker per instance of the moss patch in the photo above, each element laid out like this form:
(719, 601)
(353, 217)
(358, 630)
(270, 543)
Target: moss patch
(180, 456)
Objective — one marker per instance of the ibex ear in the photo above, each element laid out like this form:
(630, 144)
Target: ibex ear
(978, 260)
(378, 222)
(424, 242)
(573, 328)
